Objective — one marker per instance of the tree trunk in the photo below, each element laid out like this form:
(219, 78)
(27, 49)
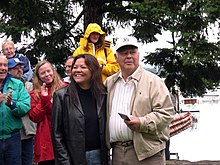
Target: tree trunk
(93, 12)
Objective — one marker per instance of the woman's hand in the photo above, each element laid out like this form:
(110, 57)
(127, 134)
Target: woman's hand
(44, 90)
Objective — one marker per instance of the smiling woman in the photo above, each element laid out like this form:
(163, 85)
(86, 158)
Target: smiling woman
(80, 106)
(46, 81)
(81, 74)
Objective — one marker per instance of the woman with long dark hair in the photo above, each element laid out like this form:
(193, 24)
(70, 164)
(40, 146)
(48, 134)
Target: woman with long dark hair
(78, 116)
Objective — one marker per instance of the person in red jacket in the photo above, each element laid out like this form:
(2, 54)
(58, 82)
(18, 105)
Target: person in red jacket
(46, 81)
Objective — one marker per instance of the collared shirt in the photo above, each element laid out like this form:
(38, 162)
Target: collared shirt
(122, 103)
(66, 79)
(8, 76)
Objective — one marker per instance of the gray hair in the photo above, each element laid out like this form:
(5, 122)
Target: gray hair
(3, 56)
(7, 41)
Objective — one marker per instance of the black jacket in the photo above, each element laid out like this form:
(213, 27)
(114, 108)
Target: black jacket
(68, 128)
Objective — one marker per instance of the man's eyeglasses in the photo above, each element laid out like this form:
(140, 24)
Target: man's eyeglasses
(18, 67)
(7, 49)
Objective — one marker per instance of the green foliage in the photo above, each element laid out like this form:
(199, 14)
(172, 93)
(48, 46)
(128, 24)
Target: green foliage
(55, 28)
(192, 62)
(47, 23)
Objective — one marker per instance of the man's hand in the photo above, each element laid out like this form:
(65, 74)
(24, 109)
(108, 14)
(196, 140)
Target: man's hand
(2, 96)
(8, 100)
(134, 123)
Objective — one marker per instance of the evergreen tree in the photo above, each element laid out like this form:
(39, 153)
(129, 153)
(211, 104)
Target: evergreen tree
(56, 26)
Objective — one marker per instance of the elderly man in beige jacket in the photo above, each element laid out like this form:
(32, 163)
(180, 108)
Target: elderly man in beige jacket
(139, 138)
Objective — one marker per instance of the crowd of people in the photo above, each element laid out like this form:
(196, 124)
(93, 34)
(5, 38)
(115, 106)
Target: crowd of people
(49, 120)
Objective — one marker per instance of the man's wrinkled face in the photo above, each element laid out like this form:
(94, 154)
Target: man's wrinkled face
(8, 50)
(68, 66)
(17, 71)
(3, 68)
(128, 59)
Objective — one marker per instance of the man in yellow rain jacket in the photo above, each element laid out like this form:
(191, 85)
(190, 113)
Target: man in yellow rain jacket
(94, 43)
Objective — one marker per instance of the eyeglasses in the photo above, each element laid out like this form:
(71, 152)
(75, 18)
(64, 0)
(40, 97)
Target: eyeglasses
(18, 67)
(7, 49)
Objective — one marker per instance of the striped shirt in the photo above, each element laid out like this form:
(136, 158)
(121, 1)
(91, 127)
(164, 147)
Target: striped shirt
(121, 103)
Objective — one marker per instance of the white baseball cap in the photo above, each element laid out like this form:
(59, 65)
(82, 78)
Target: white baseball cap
(126, 41)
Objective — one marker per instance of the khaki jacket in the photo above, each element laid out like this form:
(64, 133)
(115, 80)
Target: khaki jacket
(28, 127)
(152, 104)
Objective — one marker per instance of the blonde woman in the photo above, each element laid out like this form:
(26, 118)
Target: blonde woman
(46, 81)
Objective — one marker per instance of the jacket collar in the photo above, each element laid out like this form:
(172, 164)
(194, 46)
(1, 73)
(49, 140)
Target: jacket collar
(8, 76)
(136, 75)
(77, 103)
